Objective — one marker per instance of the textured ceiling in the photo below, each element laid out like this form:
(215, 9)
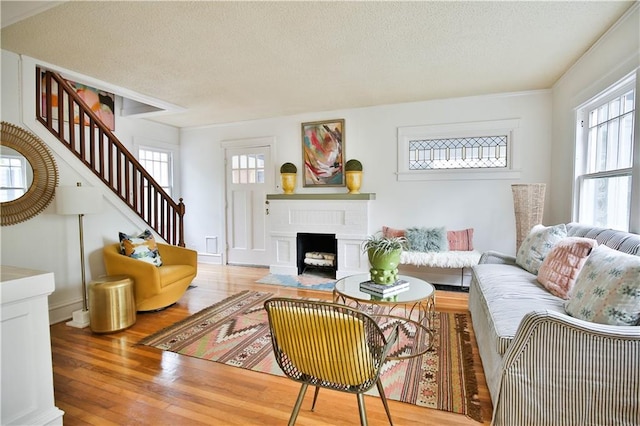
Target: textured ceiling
(236, 61)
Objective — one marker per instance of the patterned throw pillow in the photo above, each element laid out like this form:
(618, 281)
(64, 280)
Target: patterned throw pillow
(562, 265)
(142, 247)
(607, 290)
(537, 245)
(460, 240)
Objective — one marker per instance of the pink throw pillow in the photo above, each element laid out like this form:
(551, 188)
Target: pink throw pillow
(460, 240)
(560, 268)
(390, 232)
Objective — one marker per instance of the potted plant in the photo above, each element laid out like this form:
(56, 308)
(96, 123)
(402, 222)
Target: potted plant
(353, 174)
(288, 173)
(384, 257)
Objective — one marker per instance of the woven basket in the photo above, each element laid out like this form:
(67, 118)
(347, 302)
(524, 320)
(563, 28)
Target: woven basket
(528, 204)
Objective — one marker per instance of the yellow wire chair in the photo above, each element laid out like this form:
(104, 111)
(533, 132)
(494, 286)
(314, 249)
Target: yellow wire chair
(328, 345)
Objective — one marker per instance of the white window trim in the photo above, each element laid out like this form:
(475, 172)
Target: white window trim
(174, 150)
(634, 222)
(507, 127)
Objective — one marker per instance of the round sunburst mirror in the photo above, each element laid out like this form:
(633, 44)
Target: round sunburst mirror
(31, 188)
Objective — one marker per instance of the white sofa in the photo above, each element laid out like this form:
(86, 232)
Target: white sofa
(542, 366)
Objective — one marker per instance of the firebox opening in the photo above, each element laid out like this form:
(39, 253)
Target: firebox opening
(317, 254)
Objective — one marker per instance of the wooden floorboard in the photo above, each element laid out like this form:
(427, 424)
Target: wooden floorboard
(110, 380)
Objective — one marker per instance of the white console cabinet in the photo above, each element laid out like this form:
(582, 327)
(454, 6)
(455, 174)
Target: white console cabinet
(27, 374)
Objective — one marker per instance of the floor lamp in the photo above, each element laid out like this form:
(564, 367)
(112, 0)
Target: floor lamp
(79, 200)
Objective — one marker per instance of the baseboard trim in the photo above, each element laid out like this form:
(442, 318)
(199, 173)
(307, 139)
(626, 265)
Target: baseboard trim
(64, 311)
(210, 258)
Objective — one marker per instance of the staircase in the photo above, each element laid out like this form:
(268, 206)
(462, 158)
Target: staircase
(72, 122)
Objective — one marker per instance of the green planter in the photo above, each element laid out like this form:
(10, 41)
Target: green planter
(384, 266)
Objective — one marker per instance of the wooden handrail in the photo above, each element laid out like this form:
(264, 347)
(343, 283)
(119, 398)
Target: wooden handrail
(75, 124)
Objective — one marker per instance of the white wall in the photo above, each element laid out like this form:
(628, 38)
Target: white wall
(50, 242)
(371, 136)
(615, 55)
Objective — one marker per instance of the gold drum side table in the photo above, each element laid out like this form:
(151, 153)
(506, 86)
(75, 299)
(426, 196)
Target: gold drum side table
(112, 305)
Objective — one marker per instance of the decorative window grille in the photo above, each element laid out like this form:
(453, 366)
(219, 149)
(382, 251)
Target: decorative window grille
(458, 153)
(247, 168)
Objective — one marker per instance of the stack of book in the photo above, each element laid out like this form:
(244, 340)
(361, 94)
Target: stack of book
(384, 290)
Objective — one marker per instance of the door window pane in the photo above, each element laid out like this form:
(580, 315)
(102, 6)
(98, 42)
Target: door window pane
(247, 169)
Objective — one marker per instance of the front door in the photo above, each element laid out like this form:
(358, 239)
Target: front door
(248, 175)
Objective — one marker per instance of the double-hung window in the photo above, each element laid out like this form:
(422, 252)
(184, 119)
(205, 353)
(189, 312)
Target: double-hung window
(604, 158)
(159, 164)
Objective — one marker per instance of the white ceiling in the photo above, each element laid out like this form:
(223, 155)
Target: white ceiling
(226, 61)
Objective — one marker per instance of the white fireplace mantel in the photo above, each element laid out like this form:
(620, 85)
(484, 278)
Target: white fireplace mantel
(344, 215)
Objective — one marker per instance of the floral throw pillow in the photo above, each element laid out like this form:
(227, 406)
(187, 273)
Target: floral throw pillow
(607, 290)
(537, 245)
(562, 265)
(142, 247)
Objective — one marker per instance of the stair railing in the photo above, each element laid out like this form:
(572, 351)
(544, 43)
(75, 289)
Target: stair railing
(63, 112)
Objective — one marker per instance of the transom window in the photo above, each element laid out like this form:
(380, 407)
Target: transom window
(247, 168)
(605, 147)
(458, 153)
(475, 150)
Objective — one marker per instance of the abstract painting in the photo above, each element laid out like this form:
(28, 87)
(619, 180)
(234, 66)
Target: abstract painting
(102, 103)
(323, 153)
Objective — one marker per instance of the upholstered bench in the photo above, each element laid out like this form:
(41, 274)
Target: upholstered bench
(434, 266)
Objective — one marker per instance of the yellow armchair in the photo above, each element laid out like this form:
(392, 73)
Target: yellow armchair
(156, 287)
(328, 345)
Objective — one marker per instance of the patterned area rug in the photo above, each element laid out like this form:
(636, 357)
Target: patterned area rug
(235, 332)
(306, 281)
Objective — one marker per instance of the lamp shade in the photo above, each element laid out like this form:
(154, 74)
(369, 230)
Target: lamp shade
(78, 200)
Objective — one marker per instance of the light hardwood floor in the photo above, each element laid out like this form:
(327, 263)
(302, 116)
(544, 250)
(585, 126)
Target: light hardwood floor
(109, 380)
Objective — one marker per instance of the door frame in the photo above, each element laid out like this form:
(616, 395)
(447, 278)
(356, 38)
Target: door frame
(226, 145)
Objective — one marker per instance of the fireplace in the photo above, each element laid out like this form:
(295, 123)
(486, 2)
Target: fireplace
(317, 253)
(343, 219)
